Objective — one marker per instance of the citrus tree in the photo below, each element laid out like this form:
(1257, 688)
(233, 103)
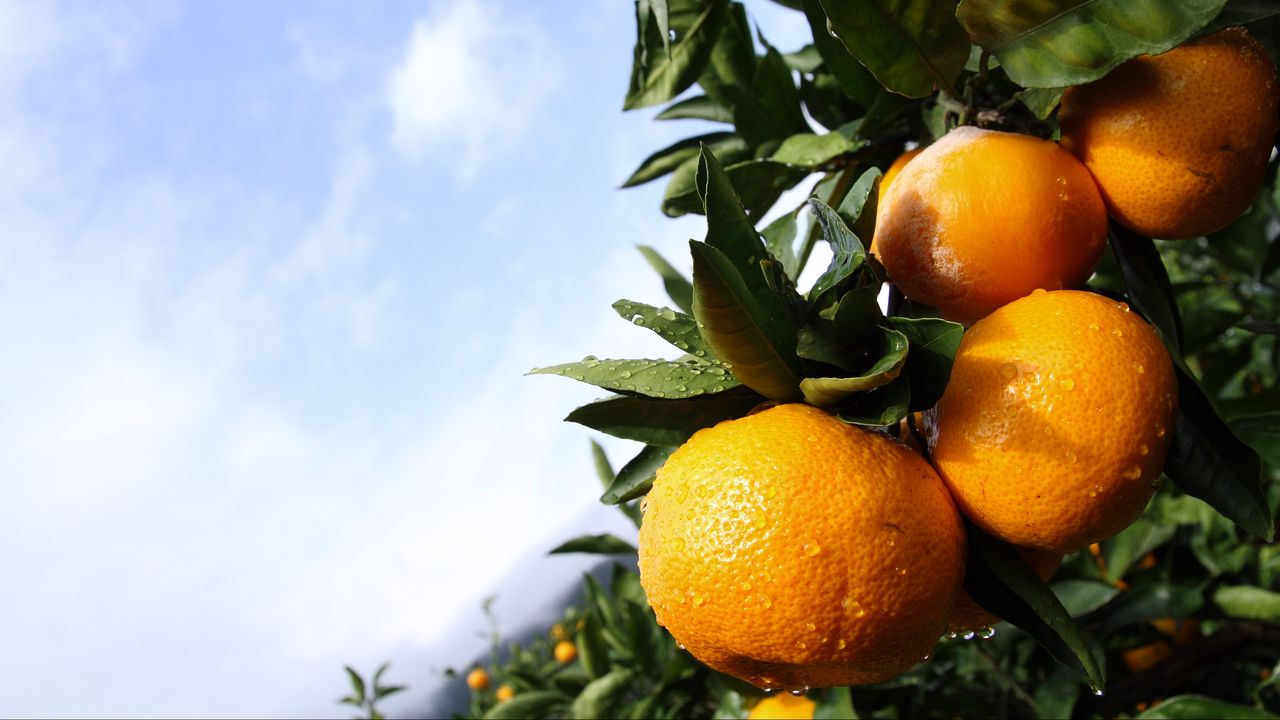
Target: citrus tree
(1036, 384)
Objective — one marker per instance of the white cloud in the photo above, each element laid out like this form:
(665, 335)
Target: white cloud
(472, 76)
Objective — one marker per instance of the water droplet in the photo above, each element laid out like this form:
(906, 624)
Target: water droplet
(1071, 456)
(968, 635)
(1068, 384)
(638, 320)
(682, 345)
(768, 494)
(759, 521)
(986, 632)
(1038, 291)
(681, 388)
(1159, 430)
(1133, 473)
(832, 29)
(577, 376)
(900, 571)
(926, 658)
(678, 544)
(811, 549)
(1123, 306)
(698, 600)
(700, 353)
(1096, 691)
(681, 646)
(853, 607)
(799, 692)
(1117, 332)
(1062, 180)
(1008, 371)
(1137, 367)
(644, 503)
(1093, 491)
(624, 374)
(1143, 450)
(840, 644)
(765, 602)
(810, 627)
(952, 635)
(1094, 326)
(800, 644)
(667, 314)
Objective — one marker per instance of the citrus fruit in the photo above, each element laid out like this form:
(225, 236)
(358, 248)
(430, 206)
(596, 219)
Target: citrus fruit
(783, 706)
(478, 679)
(981, 218)
(792, 550)
(1142, 657)
(1179, 142)
(505, 693)
(886, 180)
(969, 615)
(1053, 428)
(565, 652)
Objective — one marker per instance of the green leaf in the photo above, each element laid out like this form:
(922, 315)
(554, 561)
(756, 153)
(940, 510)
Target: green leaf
(1241, 12)
(636, 477)
(1132, 543)
(678, 287)
(1246, 601)
(732, 66)
(1209, 462)
(1147, 284)
(933, 349)
(654, 378)
(885, 405)
(779, 240)
(1040, 101)
(1262, 432)
(756, 342)
(913, 47)
(834, 704)
(771, 108)
(357, 682)
(761, 183)
(663, 422)
(597, 698)
(1199, 707)
(676, 328)
(1056, 44)
(384, 691)
(593, 653)
(856, 81)
(1002, 583)
(831, 392)
(659, 77)
(698, 107)
(810, 150)
(847, 252)
(661, 17)
(603, 470)
(1081, 597)
(853, 208)
(604, 544)
(537, 703)
(671, 157)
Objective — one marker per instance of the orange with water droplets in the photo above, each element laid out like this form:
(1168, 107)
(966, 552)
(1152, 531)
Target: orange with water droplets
(792, 550)
(981, 218)
(1178, 142)
(1048, 434)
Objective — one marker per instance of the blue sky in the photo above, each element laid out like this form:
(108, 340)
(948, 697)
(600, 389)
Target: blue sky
(270, 277)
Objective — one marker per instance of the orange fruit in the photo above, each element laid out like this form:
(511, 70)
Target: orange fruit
(969, 615)
(1142, 657)
(783, 706)
(1178, 142)
(1053, 429)
(478, 680)
(890, 173)
(565, 652)
(792, 550)
(981, 218)
(505, 693)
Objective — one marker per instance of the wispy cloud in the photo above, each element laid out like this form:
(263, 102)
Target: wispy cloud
(473, 76)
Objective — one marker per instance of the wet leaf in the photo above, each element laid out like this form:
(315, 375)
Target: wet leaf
(754, 340)
(636, 477)
(779, 240)
(809, 150)
(847, 252)
(762, 182)
(676, 328)
(654, 378)
(856, 81)
(913, 47)
(1002, 583)
(1055, 44)
(770, 109)
(1199, 707)
(604, 544)
(1040, 101)
(858, 208)
(885, 405)
(663, 422)
(1147, 284)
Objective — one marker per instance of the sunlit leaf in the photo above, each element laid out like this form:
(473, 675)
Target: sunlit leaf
(653, 378)
(829, 392)
(854, 78)
(809, 150)
(676, 328)
(698, 107)
(658, 76)
(1055, 44)
(604, 544)
(636, 477)
(671, 157)
(847, 252)
(913, 47)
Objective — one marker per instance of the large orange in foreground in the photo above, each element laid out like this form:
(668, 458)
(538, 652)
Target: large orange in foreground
(792, 550)
(1054, 425)
(1178, 142)
(981, 218)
